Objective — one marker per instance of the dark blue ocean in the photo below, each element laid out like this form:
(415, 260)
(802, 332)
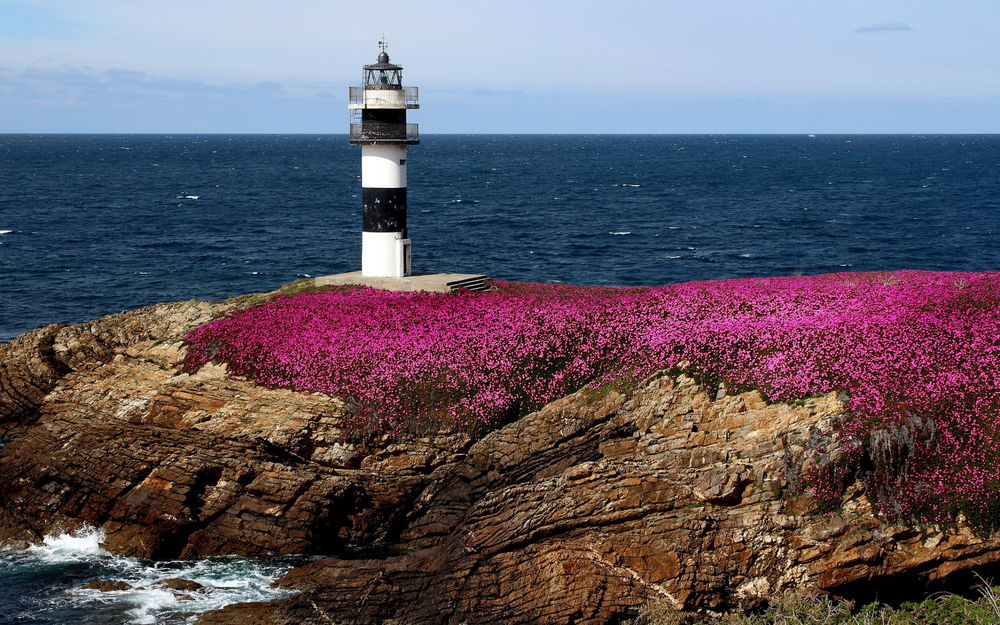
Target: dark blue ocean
(91, 225)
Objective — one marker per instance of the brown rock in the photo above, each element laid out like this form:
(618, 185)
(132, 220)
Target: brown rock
(103, 430)
(178, 583)
(536, 525)
(256, 612)
(105, 586)
(579, 513)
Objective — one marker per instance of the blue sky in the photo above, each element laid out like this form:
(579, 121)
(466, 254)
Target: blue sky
(622, 66)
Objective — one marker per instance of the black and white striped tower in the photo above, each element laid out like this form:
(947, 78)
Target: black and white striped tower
(378, 125)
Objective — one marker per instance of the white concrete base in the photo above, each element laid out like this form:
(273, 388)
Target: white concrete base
(431, 283)
(385, 255)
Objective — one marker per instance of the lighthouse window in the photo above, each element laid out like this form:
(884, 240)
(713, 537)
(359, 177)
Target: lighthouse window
(383, 77)
(402, 161)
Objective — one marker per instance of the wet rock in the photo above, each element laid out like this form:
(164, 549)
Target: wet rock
(256, 612)
(105, 586)
(178, 583)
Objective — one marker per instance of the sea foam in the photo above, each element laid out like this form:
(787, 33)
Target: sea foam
(72, 547)
(72, 560)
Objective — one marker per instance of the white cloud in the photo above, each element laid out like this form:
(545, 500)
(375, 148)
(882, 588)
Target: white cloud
(882, 28)
(191, 52)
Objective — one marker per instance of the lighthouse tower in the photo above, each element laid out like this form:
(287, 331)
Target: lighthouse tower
(378, 125)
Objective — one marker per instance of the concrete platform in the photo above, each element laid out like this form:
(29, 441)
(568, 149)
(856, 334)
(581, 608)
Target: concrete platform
(429, 282)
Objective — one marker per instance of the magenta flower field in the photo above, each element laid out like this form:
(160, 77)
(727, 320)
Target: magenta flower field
(917, 354)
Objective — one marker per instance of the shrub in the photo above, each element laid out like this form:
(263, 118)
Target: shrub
(792, 608)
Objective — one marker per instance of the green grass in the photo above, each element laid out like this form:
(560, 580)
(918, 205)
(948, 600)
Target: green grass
(249, 300)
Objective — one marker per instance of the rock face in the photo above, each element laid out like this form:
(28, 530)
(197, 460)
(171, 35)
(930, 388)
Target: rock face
(579, 513)
(102, 430)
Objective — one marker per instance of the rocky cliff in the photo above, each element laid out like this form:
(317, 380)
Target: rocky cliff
(579, 513)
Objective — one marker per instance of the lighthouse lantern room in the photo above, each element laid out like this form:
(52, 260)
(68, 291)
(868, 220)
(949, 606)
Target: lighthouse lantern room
(378, 125)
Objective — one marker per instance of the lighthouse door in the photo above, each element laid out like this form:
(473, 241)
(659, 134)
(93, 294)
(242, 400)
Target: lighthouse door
(407, 262)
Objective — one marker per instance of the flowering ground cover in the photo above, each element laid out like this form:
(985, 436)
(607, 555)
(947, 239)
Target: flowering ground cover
(917, 353)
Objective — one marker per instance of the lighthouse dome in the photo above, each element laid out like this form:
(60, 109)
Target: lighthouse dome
(383, 57)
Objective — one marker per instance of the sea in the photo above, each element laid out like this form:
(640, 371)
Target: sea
(96, 224)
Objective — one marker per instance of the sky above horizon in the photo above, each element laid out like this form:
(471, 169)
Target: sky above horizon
(518, 66)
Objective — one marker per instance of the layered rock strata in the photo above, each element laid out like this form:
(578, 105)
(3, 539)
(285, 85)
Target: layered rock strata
(579, 513)
(101, 429)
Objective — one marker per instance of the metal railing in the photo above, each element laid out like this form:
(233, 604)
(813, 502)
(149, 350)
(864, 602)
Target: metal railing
(411, 96)
(407, 97)
(356, 97)
(381, 132)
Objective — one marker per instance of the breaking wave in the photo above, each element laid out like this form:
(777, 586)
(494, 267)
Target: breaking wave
(46, 583)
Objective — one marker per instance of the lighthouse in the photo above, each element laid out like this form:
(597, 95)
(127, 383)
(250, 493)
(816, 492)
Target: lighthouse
(378, 124)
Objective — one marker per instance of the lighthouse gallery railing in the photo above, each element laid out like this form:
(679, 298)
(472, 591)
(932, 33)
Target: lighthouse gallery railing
(407, 97)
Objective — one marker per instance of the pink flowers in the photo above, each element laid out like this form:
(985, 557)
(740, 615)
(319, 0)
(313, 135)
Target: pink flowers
(907, 347)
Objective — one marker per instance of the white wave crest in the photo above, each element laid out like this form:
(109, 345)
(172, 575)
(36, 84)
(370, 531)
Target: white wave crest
(149, 603)
(78, 556)
(83, 544)
(6, 231)
(224, 581)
